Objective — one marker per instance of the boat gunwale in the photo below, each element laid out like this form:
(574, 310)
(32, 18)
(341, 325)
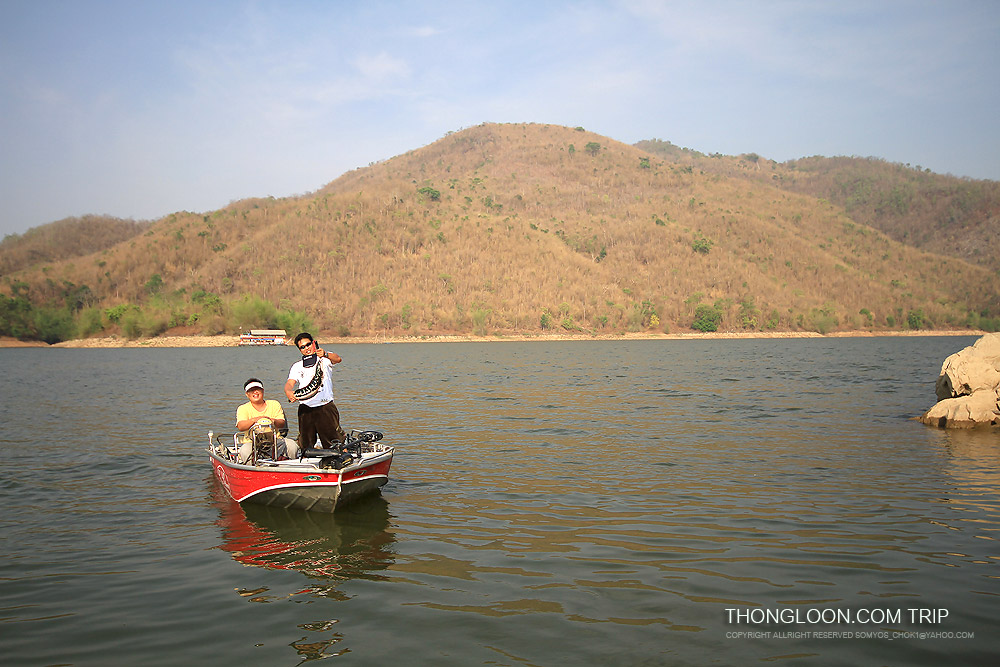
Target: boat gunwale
(309, 465)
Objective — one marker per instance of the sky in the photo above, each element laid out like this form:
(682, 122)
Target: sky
(141, 109)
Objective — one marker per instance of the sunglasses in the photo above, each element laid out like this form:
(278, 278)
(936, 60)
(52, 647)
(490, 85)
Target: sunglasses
(306, 346)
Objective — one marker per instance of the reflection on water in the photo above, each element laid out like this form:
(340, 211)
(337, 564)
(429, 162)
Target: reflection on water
(974, 464)
(352, 543)
(328, 549)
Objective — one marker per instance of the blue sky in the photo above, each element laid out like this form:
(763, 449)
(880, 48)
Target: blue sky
(141, 108)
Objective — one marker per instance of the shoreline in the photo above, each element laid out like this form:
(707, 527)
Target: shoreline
(333, 341)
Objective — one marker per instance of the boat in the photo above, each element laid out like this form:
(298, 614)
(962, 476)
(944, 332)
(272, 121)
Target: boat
(264, 337)
(319, 480)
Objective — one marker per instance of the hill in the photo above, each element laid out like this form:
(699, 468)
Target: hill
(958, 217)
(516, 228)
(64, 239)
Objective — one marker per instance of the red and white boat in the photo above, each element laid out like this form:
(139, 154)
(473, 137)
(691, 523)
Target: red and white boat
(321, 480)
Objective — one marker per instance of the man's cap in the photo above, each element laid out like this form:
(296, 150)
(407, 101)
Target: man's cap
(253, 383)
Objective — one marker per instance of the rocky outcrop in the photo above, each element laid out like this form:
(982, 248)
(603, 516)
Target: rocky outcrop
(968, 388)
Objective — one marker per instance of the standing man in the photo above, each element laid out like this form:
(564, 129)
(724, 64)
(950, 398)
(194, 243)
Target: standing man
(318, 416)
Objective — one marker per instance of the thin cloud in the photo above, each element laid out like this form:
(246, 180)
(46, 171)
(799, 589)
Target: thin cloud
(424, 31)
(381, 67)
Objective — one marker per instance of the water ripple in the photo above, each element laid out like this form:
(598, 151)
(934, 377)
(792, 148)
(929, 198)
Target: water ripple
(616, 496)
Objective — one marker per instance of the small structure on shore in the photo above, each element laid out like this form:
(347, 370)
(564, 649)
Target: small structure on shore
(968, 389)
(263, 337)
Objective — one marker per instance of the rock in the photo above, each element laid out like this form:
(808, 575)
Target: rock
(979, 409)
(974, 368)
(968, 388)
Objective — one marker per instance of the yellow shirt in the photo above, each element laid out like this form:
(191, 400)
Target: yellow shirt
(272, 409)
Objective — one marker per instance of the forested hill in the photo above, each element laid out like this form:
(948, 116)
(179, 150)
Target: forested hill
(64, 239)
(959, 217)
(518, 228)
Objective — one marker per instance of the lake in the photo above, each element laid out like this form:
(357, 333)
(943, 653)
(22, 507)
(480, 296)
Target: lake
(673, 502)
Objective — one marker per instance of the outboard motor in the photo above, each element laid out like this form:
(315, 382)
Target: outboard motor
(264, 439)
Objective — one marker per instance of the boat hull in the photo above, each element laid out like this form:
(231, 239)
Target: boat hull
(302, 485)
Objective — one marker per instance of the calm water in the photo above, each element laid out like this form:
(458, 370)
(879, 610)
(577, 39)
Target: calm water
(550, 503)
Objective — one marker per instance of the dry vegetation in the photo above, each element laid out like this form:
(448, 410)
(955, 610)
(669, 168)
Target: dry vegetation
(70, 237)
(522, 228)
(946, 215)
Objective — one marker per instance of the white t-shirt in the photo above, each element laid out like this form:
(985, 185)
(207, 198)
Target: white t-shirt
(304, 376)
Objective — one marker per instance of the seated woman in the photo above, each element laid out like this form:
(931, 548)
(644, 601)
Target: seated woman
(256, 409)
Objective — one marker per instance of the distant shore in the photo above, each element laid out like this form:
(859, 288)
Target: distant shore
(333, 341)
